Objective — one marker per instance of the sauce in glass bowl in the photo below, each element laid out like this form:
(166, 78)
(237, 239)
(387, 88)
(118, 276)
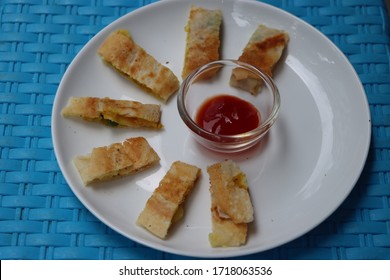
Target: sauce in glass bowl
(227, 115)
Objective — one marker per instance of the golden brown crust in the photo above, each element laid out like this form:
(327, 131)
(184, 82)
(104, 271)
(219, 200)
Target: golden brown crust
(116, 160)
(168, 197)
(114, 112)
(121, 52)
(229, 190)
(203, 38)
(231, 206)
(263, 51)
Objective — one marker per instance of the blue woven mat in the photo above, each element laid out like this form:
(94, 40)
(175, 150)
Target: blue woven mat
(40, 218)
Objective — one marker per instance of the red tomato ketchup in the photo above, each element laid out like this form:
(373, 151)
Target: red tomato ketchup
(227, 115)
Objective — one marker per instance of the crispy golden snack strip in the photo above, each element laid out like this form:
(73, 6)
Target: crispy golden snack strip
(203, 38)
(231, 206)
(121, 52)
(114, 112)
(165, 204)
(116, 160)
(264, 49)
(226, 233)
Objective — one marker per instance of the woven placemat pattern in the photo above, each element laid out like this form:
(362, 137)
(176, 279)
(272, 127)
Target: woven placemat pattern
(40, 218)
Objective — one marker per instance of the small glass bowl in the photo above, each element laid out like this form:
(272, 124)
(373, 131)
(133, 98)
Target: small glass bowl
(214, 79)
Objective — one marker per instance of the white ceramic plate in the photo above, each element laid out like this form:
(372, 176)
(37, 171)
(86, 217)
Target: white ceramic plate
(298, 175)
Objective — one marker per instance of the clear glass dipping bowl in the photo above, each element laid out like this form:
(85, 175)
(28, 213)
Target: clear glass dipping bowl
(214, 79)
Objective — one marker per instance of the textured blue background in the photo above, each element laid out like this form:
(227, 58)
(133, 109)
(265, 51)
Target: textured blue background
(40, 218)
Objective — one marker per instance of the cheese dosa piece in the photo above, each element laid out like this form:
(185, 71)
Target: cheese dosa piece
(118, 159)
(203, 38)
(114, 112)
(166, 203)
(229, 190)
(121, 52)
(264, 49)
(225, 233)
(231, 206)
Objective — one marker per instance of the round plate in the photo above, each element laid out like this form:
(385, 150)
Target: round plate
(298, 175)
